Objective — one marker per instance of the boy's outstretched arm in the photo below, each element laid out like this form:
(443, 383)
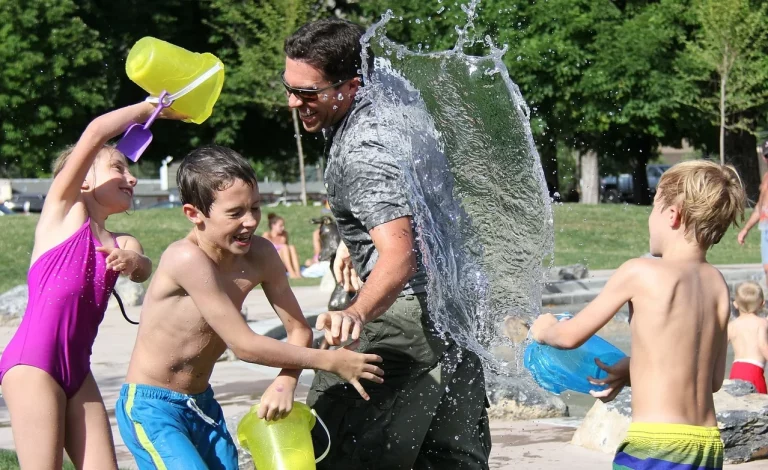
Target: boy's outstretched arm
(277, 400)
(208, 292)
(571, 334)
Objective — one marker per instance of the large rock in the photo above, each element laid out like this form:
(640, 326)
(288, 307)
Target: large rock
(131, 293)
(520, 399)
(741, 416)
(13, 303)
(573, 272)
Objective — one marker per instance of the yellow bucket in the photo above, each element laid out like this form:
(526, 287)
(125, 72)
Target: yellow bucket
(285, 444)
(192, 80)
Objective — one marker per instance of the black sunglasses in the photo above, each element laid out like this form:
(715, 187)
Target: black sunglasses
(308, 94)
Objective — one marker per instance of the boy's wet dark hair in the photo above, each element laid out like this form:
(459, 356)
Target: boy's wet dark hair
(209, 169)
(331, 45)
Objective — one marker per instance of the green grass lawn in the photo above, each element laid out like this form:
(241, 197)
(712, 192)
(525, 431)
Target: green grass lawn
(606, 235)
(155, 229)
(600, 236)
(9, 461)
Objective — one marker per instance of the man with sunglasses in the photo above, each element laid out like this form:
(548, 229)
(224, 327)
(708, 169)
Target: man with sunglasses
(760, 215)
(430, 412)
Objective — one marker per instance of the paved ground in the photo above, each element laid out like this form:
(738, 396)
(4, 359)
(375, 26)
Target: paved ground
(525, 445)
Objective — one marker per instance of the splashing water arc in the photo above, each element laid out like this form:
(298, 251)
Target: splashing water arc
(474, 180)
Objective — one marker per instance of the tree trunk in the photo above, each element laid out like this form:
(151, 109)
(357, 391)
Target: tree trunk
(741, 149)
(548, 155)
(640, 193)
(590, 179)
(723, 82)
(301, 157)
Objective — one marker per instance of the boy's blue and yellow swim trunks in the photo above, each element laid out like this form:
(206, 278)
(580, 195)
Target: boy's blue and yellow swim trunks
(662, 446)
(167, 430)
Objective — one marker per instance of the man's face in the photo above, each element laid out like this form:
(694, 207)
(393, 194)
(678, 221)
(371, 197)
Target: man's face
(325, 108)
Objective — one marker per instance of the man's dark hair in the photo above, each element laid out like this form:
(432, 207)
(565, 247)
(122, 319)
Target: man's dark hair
(331, 45)
(209, 169)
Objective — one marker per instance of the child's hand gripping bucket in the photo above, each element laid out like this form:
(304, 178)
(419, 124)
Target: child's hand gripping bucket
(138, 136)
(193, 81)
(285, 444)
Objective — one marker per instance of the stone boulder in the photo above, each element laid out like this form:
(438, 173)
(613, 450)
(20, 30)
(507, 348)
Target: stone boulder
(131, 293)
(573, 272)
(13, 303)
(517, 398)
(741, 416)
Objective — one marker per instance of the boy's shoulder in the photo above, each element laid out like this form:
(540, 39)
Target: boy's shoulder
(181, 255)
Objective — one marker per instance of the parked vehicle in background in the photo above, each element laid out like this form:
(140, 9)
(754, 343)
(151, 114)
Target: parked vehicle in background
(22, 202)
(163, 205)
(615, 189)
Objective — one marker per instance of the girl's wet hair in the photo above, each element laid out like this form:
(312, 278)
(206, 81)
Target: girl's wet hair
(209, 169)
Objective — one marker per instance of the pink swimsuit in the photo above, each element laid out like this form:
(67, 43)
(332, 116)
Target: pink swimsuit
(69, 288)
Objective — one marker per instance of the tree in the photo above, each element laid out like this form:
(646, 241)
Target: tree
(729, 50)
(249, 37)
(629, 92)
(52, 81)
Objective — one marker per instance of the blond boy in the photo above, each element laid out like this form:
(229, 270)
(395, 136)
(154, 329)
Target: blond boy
(749, 336)
(680, 310)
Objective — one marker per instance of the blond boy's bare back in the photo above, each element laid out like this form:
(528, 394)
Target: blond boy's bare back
(679, 341)
(175, 347)
(749, 335)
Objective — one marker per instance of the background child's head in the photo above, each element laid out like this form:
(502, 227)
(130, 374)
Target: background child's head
(700, 197)
(108, 181)
(749, 297)
(220, 194)
(276, 223)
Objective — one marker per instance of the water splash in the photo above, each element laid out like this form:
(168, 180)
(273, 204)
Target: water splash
(474, 180)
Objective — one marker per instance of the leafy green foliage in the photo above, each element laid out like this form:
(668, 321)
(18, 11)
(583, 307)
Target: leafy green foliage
(51, 84)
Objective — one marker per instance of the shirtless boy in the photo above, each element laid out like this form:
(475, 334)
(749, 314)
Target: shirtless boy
(679, 320)
(166, 412)
(749, 335)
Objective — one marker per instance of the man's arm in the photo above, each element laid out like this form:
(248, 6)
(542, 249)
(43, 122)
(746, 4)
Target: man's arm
(394, 267)
(571, 334)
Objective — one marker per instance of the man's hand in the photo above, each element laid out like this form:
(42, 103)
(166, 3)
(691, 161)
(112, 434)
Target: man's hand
(618, 378)
(344, 271)
(542, 323)
(124, 261)
(277, 400)
(340, 326)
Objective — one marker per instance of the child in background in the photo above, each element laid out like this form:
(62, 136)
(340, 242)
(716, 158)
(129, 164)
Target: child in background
(279, 238)
(749, 336)
(680, 306)
(45, 370)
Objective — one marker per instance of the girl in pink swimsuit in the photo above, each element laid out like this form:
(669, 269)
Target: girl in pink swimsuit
(52, 398)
